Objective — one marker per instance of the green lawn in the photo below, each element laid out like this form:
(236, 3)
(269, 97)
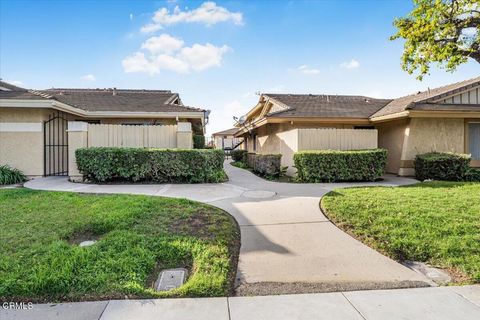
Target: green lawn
(137, 236)
(434, 222)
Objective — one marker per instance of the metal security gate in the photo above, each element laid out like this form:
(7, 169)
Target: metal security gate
(55, 140)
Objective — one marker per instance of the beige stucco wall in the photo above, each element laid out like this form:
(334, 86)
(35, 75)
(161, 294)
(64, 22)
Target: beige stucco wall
(391, 136)
(283, 138)
(23, 150)
(430, 134)
(434, 134)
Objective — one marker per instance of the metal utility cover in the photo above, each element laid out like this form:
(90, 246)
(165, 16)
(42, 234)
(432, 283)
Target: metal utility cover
(170, 279)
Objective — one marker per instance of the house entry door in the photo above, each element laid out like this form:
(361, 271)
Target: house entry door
(55, 141)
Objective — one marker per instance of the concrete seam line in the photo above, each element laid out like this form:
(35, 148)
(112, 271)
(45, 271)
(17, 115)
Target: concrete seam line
(465, 298)
(101, 314)
(281, 223)
(228, 308)
(361, 315)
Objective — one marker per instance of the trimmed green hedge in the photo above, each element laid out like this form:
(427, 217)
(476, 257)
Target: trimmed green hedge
(443, 166)
(265, 164)
(336, 165)
(103, 164)
(198, 141)
(239, 155)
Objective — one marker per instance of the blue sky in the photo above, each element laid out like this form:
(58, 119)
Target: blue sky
(217, 55)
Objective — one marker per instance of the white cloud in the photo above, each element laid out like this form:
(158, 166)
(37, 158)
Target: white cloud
(352, 64)
(169, 53)
(208, 13)
(88, 77)
(164, 61)
(137, 62)
(307, 70)
(201, 57)
(131, 16)
(164, 43)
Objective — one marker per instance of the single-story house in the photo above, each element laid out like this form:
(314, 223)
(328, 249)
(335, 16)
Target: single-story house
(35, 124)
(226, 139)
(444, 119)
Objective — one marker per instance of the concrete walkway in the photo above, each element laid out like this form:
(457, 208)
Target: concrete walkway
(441, 303)
(287, 244)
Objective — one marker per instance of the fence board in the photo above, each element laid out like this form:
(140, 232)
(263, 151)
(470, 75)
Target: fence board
(117, 135)
(337, 139)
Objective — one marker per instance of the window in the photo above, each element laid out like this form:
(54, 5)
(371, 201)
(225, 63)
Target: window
(363, 127)
(254, 142)
(474, 140)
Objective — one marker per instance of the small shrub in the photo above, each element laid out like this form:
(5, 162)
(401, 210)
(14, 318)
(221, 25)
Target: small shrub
(267, 165)
(9, 175)
(441, 166)
(239, 155)
(473, 174)
(336, 165)
(198, 141)
(152, 165)
(239, 164)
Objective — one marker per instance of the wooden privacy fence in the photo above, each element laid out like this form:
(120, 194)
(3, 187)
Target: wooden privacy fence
(337, 139)
(147, 136)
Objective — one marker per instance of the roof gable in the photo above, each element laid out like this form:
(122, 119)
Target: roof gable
(428, 96)
(325, 106)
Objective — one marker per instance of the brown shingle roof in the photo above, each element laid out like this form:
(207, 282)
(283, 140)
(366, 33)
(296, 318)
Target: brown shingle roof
(410, 101)
(9, 91)
(228, 132)
(122, 101)
(326, 106)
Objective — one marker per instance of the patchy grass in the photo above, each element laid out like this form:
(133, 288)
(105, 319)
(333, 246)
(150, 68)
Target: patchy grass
(137, 236)
(434, 222)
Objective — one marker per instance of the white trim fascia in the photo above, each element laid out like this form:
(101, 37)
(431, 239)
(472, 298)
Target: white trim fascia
(172, 98)
(24, 103)
(21, 127)
(392, 116)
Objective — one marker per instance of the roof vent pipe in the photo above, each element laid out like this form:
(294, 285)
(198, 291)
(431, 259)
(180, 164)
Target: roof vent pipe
(114, 91)
(328, 98)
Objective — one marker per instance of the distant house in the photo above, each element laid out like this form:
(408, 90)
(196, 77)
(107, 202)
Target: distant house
(226, 138)
(34, 125)
(441, 119)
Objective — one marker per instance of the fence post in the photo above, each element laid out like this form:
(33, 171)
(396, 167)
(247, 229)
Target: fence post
(184, 135)
(77, 138)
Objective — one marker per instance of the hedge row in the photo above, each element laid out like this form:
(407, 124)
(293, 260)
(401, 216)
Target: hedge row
(336, 165)
(239, 155)
(151, 165)
(265, 164)
(198, 141)
(445, 166)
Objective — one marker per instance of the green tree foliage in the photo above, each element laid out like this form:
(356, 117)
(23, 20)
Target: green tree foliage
(442, 31)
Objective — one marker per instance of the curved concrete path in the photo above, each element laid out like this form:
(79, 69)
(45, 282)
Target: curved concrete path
(287, 244)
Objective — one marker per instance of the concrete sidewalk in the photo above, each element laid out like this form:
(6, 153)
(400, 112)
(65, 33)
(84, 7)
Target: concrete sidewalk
(459, 303)
(287, 244)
